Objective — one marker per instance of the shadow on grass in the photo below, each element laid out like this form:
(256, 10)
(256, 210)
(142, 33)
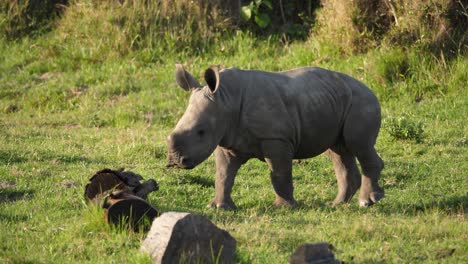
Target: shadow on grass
(267, 207)
(449, 205)
(7, 157)
(70, 159)
(9, 195)
(197, 180)
(13, 218)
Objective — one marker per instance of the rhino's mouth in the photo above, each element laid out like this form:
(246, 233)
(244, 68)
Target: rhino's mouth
(180, 165)
(177, 161)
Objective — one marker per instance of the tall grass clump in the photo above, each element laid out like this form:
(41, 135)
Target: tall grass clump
(357, 26)
(354, 26)
(24, 17)
(438, 26)
(116, 28)
(393, 65)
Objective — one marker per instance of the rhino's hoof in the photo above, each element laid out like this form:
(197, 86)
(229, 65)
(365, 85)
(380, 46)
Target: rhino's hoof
(223, 206)
(335, 202)
(376, 196)
(365, 203)
(285, 203)
(373, 198)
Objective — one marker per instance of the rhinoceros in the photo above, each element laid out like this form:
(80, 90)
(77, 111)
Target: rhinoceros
(277, 117)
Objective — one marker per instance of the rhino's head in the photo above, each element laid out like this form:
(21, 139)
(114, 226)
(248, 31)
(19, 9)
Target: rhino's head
(201, 128)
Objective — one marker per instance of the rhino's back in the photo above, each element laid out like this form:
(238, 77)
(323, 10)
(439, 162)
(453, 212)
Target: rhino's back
(305, 106)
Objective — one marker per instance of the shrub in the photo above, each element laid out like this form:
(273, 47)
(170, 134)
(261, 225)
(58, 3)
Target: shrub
(404, 128)
(22, 17)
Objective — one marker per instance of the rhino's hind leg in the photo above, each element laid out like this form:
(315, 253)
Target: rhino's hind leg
(371, 165)
(360, 132)
(347, 174)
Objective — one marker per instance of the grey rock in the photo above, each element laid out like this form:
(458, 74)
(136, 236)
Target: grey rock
(188, 238)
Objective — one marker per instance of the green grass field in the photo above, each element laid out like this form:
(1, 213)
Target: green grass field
(68, 110)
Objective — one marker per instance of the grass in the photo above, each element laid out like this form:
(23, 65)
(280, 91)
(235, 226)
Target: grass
(69, 110)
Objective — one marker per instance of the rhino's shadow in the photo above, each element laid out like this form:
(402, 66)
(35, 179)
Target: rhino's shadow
(267, 206)
(450, 205)
(197, 180)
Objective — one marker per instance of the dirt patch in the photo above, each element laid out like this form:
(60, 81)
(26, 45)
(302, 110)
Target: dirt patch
(7, 184)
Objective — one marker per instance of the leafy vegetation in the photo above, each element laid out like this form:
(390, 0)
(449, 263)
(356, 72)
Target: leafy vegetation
(94, 88)
(252, 10)
(405, 128)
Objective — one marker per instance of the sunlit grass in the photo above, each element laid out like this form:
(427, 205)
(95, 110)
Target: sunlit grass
(64, 117)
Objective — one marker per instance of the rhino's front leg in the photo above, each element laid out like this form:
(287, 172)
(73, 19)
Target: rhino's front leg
(278, 155)
(227, 165)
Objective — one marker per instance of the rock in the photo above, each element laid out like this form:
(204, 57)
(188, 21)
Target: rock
(129, 211)
(145, 188)
(318, 253)
(102, 182)
(188, 238)
(67, 184)
(107, 180)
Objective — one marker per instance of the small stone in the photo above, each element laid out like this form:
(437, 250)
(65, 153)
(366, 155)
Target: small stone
(49, 75)
(12, 108)
(318, 253)
(444, 253)
(68, 184)
(188, 238)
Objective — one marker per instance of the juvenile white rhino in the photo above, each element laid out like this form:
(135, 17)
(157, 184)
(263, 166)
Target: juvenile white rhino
(278, 117)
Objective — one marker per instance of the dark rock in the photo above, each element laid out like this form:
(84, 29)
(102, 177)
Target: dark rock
(107, 180)
(145, 188)
(188, 238)
(102, 182)
(319, 253)
(130, 211)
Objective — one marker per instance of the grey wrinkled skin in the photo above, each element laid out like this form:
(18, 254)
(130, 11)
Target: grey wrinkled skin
(278, 117)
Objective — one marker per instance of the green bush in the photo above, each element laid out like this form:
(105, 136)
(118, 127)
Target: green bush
(404, 128)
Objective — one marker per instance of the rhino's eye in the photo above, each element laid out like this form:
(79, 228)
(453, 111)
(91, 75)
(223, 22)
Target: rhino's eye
(201, 133)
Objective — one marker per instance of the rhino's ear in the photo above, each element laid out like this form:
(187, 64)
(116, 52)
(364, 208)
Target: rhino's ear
(184, 79)
(212, 78)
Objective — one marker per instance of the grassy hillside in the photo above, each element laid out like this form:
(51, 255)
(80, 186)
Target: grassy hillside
(89, 90)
